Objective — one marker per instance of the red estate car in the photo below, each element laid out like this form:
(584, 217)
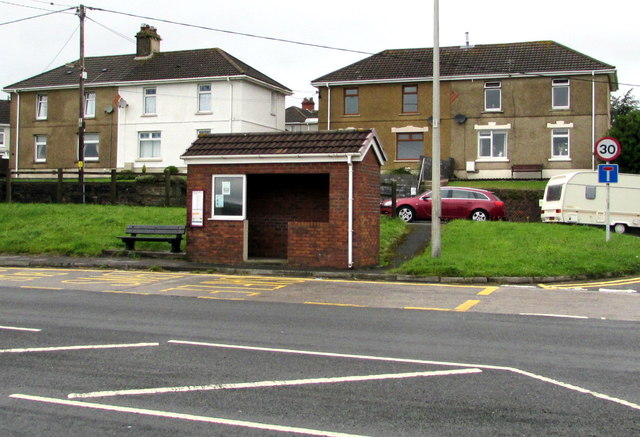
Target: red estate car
(457, 203)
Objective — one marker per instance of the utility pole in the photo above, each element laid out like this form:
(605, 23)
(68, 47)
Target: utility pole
(436, 204)
(83, 75)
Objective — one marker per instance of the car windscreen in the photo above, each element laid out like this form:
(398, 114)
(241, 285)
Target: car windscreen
(554, 192)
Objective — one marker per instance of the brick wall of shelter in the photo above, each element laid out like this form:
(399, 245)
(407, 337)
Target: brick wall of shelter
(316, 237)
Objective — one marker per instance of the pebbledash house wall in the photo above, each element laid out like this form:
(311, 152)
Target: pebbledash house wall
(313, 238)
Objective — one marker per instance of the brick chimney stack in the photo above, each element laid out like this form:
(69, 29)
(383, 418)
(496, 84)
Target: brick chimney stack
(148, 41)
(308, 104)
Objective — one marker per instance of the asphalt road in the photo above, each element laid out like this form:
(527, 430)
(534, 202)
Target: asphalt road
(74, 362)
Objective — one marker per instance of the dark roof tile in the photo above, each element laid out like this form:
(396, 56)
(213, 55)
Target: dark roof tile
(492, 59)
(186, 64)
(280, 143)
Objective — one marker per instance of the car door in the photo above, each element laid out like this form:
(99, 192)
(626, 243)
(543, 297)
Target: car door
(460, 204)
(423, 206)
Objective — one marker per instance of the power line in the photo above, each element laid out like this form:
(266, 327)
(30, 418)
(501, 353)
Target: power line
(250, 35)
(31, 18)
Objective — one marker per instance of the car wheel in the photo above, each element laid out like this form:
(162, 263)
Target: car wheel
(406, 214)
(479, 215)
(620, 228)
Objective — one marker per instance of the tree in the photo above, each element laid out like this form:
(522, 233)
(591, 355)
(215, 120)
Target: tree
(625, 127)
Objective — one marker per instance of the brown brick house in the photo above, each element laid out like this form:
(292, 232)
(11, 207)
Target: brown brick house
(302, 198)
(502, 105)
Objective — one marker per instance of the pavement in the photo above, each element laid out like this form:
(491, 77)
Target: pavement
(414, 243)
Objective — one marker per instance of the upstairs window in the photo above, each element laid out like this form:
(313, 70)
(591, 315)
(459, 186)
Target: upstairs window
(492, 144)
(409, 99)
(2, 137)
(204, 98)
(560, 94)
(492, 96)
(90, 104)
(149, 101)
(41, 107)
(351, 101)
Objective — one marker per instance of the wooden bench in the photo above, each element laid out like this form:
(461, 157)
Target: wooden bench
(526, 168)
(170, 234)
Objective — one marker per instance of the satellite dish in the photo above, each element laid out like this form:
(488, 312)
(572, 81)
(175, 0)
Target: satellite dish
(460, 118)
(108, 109)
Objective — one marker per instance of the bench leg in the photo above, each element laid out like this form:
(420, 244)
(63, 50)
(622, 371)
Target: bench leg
(175, 245)
(130, 244)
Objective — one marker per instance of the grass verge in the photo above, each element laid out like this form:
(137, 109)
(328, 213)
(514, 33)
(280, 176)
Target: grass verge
(497, 249)
(76, 230)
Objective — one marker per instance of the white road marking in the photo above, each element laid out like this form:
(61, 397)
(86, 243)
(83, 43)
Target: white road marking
(263, 384)
(565, 316)
(74, 348)
(412, 361)
(613, 290)
(16, 328)
(181, 416)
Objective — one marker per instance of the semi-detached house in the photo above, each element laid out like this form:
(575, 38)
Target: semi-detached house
(503, 106)
(140, 110)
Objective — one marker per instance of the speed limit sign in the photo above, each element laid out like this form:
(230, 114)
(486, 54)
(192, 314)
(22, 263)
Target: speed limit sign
(607, 148)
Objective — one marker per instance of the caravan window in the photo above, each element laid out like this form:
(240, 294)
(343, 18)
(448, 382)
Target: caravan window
(590, 192)
(554, 192)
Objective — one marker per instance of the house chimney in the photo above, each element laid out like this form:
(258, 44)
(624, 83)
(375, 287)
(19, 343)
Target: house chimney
(148, 42)
(308, 104)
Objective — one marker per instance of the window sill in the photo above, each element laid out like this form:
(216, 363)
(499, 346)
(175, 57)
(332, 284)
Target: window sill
(148, 159)
(492, 160)
(405, 114)
(204, 113)
(149, 115)
(407, 160)
(567, 159)
(493, 111)
(560, 109)
(351, 115)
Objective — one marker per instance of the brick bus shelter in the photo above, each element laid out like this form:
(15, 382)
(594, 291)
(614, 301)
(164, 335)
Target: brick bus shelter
(305, 199)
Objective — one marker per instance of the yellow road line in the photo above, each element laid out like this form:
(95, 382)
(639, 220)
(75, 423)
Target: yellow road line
(487, 291)
(426, 309)
(467, 305)
(336, 304)
(41, 288)
(591, 284)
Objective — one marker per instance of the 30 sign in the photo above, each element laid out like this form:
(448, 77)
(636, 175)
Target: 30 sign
(607, 149)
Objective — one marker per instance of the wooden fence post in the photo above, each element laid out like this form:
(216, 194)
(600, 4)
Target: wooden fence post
(8, 186)
(59, 186)
(167, 187)
(114, 186)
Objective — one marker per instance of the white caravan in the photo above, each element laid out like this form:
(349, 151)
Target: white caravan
(579, 198)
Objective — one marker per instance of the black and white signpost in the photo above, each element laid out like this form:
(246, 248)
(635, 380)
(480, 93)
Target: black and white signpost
(607, 149)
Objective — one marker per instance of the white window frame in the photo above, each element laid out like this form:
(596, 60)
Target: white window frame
(560, 126)
(560, 133)
(150, 101)
(491, 134)
(40, 142)
(219, 194)
(42, 106)
(90, 104)
(205, 98)
(149, 139)
(560, 84)
(2, 137)
(92, 138)
(492, 87)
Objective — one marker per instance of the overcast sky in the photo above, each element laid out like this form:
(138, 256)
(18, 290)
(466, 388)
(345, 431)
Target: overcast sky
(602, 30)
